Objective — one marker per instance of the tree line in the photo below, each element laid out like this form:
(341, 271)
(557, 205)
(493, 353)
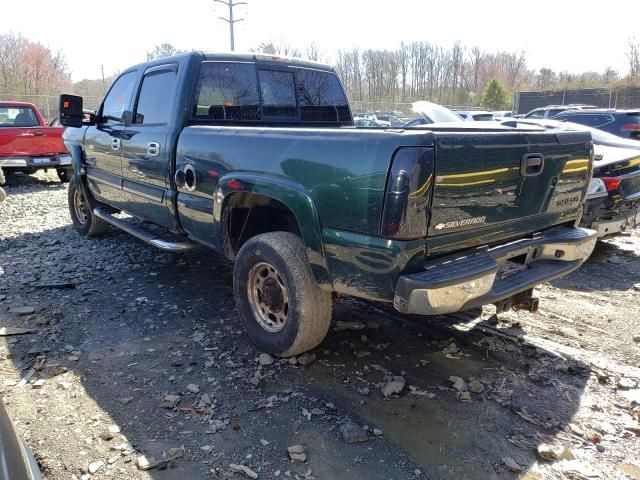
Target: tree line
(421, 70)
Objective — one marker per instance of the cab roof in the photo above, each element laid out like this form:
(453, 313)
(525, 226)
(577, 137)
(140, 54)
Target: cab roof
(238, 57)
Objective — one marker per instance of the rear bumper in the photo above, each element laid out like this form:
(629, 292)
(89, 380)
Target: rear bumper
(624, 221)
(33, 163)
(475, 278)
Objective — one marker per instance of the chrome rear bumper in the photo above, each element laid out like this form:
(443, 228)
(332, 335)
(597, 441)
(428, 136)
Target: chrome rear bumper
(480, 277)
(623, 222)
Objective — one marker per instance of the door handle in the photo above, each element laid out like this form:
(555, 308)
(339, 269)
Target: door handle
(115, 144)
(532, 164)
(153, 149)
(38, 133)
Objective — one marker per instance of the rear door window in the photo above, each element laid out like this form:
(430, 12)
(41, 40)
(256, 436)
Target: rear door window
(590, 120)
(156, 98)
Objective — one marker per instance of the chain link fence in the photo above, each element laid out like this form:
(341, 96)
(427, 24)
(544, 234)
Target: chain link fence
(48, 104)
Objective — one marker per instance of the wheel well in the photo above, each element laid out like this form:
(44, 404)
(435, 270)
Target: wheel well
(247, 215)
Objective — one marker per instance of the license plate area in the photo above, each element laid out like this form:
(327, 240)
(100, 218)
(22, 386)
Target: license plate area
(513, 265)
(41, 160)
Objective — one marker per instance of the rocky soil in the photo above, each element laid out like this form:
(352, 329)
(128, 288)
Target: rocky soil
(133, 365)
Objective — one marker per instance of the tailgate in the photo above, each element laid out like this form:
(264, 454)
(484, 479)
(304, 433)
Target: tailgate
(492, 186)
(31, 141)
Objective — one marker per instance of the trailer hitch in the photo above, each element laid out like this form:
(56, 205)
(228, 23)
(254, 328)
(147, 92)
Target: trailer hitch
(520, 301)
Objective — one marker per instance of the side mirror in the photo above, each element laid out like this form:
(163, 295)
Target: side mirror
(70, 107)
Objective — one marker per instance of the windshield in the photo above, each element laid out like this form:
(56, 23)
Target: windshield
(11, 116)
(434, 113)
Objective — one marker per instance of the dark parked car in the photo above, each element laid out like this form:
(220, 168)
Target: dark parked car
(612, 204)
(258, 159)
(16, 460)
(623, 123)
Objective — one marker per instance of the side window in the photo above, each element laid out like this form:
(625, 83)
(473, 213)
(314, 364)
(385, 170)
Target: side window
(155, 99)
(226, 91)
(589, 120)
(555, 111)
(118, 98)
(601, 120)
(536, 114)
(278, 93)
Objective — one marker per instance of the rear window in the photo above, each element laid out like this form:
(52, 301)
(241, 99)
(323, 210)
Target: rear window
(231, 91)
(18, 117)
(483, 117)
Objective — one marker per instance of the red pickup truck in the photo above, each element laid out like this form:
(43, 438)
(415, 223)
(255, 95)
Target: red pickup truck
(27, 144)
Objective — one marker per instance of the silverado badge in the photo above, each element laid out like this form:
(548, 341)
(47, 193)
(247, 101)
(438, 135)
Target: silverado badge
(461, 223)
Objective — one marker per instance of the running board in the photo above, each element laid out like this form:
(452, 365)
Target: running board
(143, 235)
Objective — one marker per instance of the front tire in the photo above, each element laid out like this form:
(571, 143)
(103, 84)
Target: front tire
(283, 309)
(84, 221)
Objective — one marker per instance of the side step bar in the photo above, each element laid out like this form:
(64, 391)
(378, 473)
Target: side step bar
(143, 235)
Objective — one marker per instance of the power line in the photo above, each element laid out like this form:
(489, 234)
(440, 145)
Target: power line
(231, 21)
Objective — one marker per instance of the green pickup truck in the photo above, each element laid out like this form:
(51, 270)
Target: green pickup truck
(256, 157)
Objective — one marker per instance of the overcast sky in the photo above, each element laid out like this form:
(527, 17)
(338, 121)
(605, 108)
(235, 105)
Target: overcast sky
(561, 34)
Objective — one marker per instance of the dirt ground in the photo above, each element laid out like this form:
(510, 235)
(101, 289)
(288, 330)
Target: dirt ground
(136, 355)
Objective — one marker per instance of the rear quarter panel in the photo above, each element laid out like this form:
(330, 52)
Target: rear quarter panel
(343, 170)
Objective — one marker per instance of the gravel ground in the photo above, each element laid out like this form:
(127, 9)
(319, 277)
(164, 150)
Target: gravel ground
(135, 359)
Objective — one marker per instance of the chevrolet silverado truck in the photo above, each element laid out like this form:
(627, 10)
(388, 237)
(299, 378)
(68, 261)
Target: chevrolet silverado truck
(257, 158)
(27, 144)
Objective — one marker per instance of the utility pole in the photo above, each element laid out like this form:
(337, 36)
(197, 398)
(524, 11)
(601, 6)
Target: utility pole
(231, 21)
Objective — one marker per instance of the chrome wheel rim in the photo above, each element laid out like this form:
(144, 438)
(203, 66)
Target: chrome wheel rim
(268, 297)
(80, 207)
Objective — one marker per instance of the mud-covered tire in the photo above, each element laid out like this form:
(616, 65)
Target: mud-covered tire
(84, 221)
(64, 174)
(3, 195)
(2, 179)
(308, 309)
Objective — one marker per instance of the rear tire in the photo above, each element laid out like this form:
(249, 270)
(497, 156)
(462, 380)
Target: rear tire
(283, 309)
(84, 221)
(64, 174)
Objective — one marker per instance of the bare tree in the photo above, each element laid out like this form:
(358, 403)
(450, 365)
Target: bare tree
(163, 50)
(633, 54)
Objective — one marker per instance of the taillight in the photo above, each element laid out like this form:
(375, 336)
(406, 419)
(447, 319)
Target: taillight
(631, 127)
(612, 183)
(408, 193)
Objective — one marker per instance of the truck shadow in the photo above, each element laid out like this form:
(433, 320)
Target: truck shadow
(610, 267)
(141, 325)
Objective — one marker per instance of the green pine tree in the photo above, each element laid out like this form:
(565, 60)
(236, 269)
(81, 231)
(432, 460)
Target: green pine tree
(495, 96)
